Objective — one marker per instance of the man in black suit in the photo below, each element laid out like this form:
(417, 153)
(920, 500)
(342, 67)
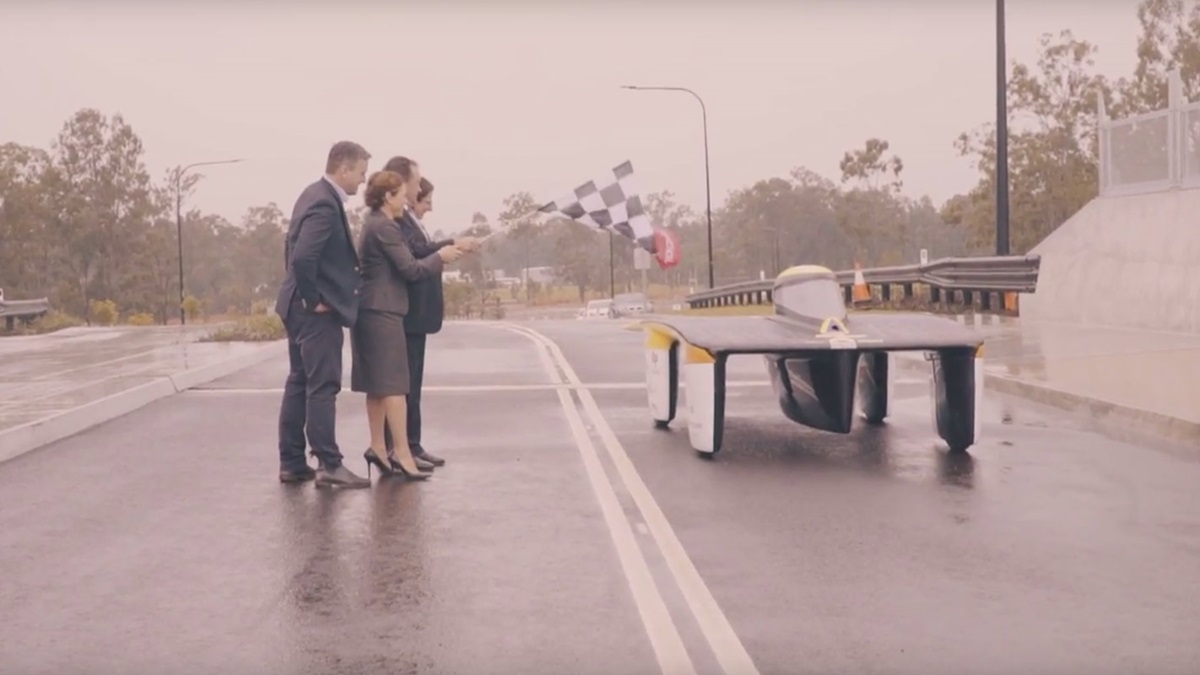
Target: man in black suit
(426, 305)
(318, 299)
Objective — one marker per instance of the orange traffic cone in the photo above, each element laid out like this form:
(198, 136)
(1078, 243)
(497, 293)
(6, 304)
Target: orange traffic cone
(859, 293)
(1010, 302)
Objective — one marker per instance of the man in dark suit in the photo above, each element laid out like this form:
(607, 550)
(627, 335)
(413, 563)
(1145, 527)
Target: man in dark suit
(426, 305)
(317, 301)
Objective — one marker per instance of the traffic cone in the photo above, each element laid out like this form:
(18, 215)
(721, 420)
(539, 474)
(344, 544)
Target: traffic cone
(860, 294)
(1010, 302)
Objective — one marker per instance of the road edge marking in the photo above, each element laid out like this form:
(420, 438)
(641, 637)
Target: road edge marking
(665, 640)
(724, 642)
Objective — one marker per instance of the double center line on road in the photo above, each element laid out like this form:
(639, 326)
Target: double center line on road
(660, 627)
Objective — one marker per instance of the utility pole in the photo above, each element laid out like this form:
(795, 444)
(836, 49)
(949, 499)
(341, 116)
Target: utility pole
(612, 279)
(1001, 135)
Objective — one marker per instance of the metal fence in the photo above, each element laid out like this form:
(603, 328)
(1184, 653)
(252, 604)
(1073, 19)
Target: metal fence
(1154, 151)
(25, 310)
(949, 282)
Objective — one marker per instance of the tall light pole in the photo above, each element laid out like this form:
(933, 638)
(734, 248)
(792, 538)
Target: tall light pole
(612, 278)
(179, 221)
(707, 181)
(1001, 135)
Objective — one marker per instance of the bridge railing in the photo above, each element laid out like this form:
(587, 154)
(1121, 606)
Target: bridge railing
(1153, 151)
(25, 310)
(987, 284)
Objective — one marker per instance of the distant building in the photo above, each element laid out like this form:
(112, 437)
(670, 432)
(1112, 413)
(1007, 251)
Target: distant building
(540, 275)
(502, 278)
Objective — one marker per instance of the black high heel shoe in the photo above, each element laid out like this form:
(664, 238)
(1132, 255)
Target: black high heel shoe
(385, 468)
(397, 467)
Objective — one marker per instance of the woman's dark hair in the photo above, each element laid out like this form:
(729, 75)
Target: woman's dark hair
(426, 188)
(381, 184)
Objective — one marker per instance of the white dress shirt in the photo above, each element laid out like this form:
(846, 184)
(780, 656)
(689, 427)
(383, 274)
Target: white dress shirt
(418, 222)
(341, 193)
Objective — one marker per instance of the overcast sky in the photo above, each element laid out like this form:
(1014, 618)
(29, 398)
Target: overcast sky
(498, 97)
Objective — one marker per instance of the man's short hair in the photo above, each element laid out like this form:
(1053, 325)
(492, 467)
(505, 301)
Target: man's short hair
(425, 189)
(344, 153)
(401, 165)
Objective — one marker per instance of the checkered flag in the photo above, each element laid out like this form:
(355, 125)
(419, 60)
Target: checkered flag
(609, 204)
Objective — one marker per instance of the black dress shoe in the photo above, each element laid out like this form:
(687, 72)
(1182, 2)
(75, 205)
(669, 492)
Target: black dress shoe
(432, 459)
(296, 475)
(423, 464)
(340, 477)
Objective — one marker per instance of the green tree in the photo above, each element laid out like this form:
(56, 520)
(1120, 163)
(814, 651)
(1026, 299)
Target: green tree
(258, 253)
(870, 213)
(1052, 148)
(30, 252)
(474, 266)
(1169, 40)
(103, 200)
(870, 166)
(576, 261)
(522, 226)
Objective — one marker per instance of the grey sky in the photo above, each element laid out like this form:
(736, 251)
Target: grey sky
(493, 99)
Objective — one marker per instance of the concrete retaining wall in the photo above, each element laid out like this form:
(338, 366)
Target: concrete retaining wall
(1124, 261)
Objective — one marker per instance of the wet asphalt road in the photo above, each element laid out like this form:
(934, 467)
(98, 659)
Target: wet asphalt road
(160, 542)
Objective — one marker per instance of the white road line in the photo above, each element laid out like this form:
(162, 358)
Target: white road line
(660, 627)
(484, 388)
(725, 644)
(480, 388)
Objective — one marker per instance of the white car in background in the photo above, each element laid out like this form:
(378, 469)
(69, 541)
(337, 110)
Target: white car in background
(598, 309)
(628, 304)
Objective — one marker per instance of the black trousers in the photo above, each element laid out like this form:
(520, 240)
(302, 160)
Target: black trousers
(416, 372)
(309, 406)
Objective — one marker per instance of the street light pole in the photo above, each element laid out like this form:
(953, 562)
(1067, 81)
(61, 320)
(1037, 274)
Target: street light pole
(612, 278)
(1001, 135)
(707, 180)
(179, 222)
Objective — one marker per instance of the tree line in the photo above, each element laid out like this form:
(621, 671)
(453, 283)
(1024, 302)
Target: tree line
(82, 221)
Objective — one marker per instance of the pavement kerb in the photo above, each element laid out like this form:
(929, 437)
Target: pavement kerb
(30, 436)
(1115, 420)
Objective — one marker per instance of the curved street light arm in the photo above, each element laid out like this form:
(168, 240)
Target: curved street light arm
(179, 221)
(707, 177)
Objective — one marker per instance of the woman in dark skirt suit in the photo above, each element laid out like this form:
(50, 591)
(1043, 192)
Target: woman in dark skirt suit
(380, 361)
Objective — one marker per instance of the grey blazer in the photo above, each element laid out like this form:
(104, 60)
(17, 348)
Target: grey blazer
(388, 265)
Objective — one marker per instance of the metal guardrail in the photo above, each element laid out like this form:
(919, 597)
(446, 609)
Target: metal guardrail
(946, 278)
(26, 310)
